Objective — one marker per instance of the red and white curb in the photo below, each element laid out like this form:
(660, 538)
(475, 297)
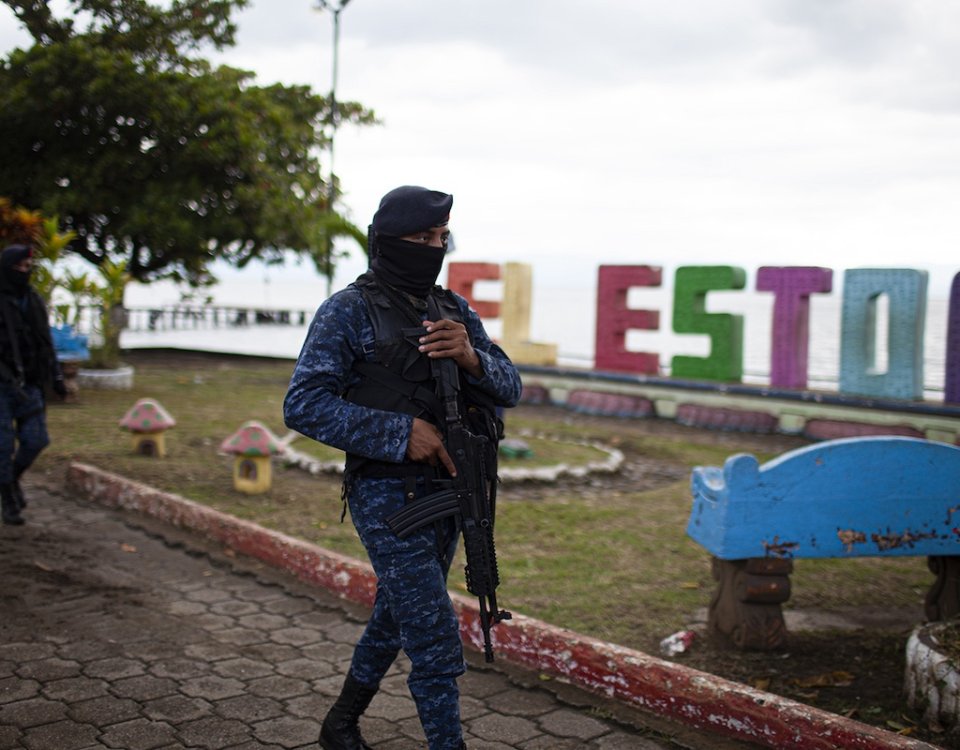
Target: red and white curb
(666, 689)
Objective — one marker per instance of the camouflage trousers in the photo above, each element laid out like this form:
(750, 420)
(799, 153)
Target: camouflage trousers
(412, 610)
(23, 429)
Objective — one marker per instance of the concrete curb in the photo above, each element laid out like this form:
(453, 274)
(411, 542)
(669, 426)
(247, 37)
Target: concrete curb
(685, 695)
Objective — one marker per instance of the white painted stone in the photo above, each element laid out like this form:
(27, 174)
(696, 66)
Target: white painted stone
(116, 379)
(931, 679)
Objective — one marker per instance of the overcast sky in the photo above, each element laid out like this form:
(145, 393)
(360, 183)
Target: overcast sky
(664, 132)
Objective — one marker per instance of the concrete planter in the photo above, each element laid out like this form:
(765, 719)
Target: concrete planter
(932, 679)
(117, 379)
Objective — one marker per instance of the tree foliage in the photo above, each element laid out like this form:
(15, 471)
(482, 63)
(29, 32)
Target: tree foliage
(114, 122)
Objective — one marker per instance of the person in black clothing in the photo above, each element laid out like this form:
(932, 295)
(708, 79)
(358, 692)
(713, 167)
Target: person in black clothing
(28, 363)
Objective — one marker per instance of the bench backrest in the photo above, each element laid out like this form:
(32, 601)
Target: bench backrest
(871, 496)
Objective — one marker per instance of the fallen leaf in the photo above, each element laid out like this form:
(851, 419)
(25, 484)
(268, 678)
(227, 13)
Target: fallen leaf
(760, 683)
(690, 585)
(128, 548)
(545, 677)
(43, 567)
(836, 678)
(843, 679)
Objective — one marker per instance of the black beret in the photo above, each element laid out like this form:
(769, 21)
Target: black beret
(408, 209)
(13, 254)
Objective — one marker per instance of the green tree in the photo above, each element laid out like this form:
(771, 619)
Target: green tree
(155, 160)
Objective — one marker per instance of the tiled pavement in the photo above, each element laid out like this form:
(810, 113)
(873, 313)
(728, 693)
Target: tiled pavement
(119, 632)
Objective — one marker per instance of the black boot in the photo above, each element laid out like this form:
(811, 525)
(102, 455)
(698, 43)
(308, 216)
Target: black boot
(340, 730)
(10, 506)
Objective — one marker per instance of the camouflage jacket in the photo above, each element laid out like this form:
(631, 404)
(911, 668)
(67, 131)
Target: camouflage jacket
(340, 335)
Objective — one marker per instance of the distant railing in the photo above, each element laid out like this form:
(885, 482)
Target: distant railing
(185, 317)
(194, 317)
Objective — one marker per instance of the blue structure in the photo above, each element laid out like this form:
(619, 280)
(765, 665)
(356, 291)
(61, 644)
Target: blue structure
(70, 346)
(856, 497)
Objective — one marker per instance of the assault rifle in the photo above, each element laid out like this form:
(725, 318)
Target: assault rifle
(469, 496)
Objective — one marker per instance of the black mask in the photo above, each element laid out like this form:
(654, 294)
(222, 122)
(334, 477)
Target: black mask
(409, 266)
(19, 280)
(16, 282)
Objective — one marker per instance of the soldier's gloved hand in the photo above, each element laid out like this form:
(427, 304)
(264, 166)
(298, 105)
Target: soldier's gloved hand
(60, 388)
(426, 445)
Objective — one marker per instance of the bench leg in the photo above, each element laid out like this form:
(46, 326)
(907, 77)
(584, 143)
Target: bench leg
(943, 598)
(745, 608)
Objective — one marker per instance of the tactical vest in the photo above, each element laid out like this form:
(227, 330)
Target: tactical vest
(399, 379)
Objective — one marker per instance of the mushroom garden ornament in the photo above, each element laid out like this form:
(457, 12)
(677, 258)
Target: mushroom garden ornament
(252, 445)
(147, 422)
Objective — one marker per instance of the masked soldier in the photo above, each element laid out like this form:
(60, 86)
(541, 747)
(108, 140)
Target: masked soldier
(363, 384)
(27, 364)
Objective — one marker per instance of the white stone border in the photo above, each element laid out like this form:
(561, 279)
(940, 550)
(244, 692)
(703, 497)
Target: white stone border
(609, 465)
(305, 461)
(116, 379)
(932, 681)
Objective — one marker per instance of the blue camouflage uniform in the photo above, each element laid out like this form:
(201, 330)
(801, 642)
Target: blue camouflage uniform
(412, 609)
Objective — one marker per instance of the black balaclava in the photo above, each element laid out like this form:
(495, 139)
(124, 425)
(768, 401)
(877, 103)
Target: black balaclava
(19, 281)
(408, 266)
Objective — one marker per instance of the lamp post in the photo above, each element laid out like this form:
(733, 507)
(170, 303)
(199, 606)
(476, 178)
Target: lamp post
(336, 9)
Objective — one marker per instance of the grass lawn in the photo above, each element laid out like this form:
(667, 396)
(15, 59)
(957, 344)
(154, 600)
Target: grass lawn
(607, 556)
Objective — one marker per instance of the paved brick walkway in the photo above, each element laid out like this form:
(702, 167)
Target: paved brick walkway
(118, 632)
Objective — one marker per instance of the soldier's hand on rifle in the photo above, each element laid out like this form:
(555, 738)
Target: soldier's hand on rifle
(425, 445)
(447, 338)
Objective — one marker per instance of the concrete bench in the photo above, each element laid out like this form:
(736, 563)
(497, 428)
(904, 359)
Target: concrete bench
(856, 497)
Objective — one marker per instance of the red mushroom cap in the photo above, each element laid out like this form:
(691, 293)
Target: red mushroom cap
(147, 416)
(253, 439)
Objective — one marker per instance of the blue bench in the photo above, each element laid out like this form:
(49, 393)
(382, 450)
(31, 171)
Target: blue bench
(68, 345)
(856, 497)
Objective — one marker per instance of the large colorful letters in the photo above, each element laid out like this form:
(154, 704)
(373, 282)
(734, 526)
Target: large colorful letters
(725, 361)
(904, 289)
(951, 386)
(614, 319)
(907, 293)
(791, 287)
